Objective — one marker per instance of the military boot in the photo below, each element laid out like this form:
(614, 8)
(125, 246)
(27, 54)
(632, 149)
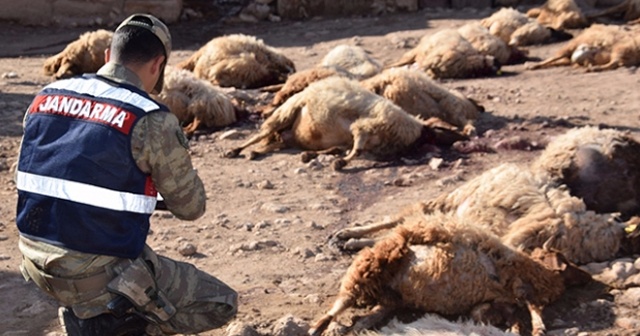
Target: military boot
(101, 325)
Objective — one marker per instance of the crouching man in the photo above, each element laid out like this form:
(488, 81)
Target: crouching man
(96, 151)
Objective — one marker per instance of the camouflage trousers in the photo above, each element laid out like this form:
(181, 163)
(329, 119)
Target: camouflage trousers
(202, 301)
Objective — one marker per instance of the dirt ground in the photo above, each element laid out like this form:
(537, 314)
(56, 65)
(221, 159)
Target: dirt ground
(268, 224)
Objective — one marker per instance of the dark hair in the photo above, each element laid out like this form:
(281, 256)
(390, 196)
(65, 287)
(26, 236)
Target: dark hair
(132, 44)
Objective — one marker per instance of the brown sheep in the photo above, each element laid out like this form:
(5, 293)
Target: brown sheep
(439, 264)
(335, 113)
(559, 14)
(516, 29)
(600, 166)
(353, 59)
(418, 95)
(446, 54)
(489, 44)
(195, 102)
(239, 61)
(600, 47)
(525, 210)
(84, 55)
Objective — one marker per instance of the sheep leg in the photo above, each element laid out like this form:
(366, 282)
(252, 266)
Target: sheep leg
(281, 119)
(620, 8)
(369, 321)
(613, 64)
(538, 327)
(340, 305)
(192, 127)
(310, 155)
(550, 62)
(361, 231)
(360, 139)
(268, 147)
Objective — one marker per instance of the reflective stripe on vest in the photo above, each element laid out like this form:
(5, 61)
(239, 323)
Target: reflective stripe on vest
(78, 192)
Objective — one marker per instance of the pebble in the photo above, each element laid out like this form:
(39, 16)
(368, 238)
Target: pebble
(187, 249)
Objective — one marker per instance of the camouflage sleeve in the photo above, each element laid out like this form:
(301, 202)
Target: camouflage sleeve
(159, 147)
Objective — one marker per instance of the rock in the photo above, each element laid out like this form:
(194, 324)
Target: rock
(240, 329)
(277, 208)
(10, 75)
(266, 184)
(290, 326)
(187, 249)
(629, 298)
(231, 135)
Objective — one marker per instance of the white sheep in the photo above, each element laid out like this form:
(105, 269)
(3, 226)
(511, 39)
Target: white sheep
(559, 14)
(298, 82)
(516, 29)
(599, 47)
(434, 325)
(439, 264)
(419, 95)
(352, 59)
(335, 114)
(84, 55)
(446, 54)
(196, 102)
(525, 210)
(239, 61)
(488, 44)
(600, 166)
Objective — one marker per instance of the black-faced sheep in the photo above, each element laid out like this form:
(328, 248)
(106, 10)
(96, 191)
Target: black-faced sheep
(599, 47)
(352, 59)
(335, 114)
(446, 54)
(438, 264)
(516, 29)
(488, 44)
(196, 102)
(239, 61)
(84, 55)
(417, 94)
(600, 166)
(525, 210)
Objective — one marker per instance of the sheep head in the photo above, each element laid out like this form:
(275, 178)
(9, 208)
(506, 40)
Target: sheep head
(555, 261)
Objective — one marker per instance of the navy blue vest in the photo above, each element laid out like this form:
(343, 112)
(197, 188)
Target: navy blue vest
(78, 184)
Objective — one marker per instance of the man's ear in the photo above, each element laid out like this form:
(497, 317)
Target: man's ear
(107, 55)
(156, 66)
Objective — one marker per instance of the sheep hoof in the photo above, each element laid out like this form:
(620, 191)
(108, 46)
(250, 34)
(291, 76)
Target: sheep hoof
(308, 156)
(232, 153)
(338, 164)
(252, 155)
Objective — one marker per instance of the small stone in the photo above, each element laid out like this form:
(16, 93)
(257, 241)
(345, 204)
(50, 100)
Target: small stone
(10, 75)
(266, 184)
(187, 249)
(231, 134)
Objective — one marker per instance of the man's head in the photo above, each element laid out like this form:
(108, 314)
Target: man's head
(142, 43)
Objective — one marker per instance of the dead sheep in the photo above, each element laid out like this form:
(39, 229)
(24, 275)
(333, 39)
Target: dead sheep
(239, 61)
(298, 82)
(439, 264)
(568, 14)
(446, 54)
(488, 44)
(352, 59)
(516, 29)
(434, 325)
(525, 210)
(419, 95)
(600, 166)
(335, 114)
(559, 14)
(84, 55)
(196, 102)
(599, 47)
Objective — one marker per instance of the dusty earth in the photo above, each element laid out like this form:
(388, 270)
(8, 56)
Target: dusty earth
(268, 223)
